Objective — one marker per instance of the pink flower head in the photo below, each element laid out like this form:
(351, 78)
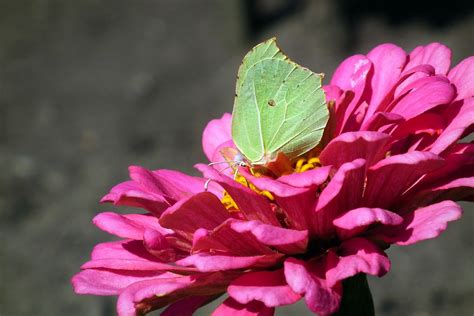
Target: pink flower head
(392, 162)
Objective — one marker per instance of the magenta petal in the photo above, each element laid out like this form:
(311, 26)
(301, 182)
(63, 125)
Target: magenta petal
(351, 76)
(126, 255)
(462, 76)
(459, 189)
(142, 297)
(388, 61)
(226, 239)
(203, 210)
(350, 146)
(268, 287)
(456, 128)
(344, 77)
(285, 240)
(187, 306)
(231, 307)
(358, 220)
(389, 178)
(424, 98)
(130, 193)
(343, 192)
(306, 179)
(382, 122)
(128, 226)
(108, 282)
(252, 205)
(319, 297)
(424, 223)
(215, 135)
(435, 54)
(355, 256)
(294, 193)
(208, 263)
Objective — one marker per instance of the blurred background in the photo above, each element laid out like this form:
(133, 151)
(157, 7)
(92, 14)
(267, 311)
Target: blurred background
(89, 87)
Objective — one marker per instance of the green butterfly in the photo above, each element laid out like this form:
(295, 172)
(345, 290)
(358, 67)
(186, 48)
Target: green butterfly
(279, 106)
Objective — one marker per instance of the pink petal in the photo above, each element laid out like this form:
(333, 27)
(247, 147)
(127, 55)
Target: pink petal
(382, 122)
(358, 220)
(389, 178)
(187, 306)
(216, 133)
(350, 146)
(128, 226)
(108, 282)
(295, 193)
(462, 76)
(231, 307)
(126, 255)
(157, 244)
(209, 263)
(435, 54)
(433, 92)
(130, 193)
(268, 287)
(424, 223)
(156, 190)
(388, 61)
(226, 239)
(343, 193)
(306, 179)
(351, 75)
(145, 296)
(285, 240)
(456, 128)
(459, 189)
(252, 205)
(203, 210)
(357, 255)
(319, 297)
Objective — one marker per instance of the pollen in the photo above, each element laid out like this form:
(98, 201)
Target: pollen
(307, 163)
(229, 202)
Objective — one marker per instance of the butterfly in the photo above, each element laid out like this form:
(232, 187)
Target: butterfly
(279, 107)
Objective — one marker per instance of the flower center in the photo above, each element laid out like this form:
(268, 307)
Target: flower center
(305, 163)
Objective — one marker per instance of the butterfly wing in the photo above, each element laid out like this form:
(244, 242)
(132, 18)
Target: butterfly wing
(279, 106)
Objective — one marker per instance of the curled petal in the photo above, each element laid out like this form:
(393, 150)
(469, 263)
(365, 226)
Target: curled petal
(145, 296)
(424, 223)
(268, 287)
(355, 256)
(231, 307)
(303, 279)
(356, 221)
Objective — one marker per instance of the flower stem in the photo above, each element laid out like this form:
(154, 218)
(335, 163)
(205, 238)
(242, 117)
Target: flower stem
(356, 299)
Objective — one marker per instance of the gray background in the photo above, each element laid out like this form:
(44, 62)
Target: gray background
(89, 87)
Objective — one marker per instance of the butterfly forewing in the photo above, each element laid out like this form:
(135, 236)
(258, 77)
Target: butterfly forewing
(279, 106)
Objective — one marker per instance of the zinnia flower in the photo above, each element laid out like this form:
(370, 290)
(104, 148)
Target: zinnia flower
(391, 164)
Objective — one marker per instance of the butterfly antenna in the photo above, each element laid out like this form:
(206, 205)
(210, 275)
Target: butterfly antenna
(206, 184)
